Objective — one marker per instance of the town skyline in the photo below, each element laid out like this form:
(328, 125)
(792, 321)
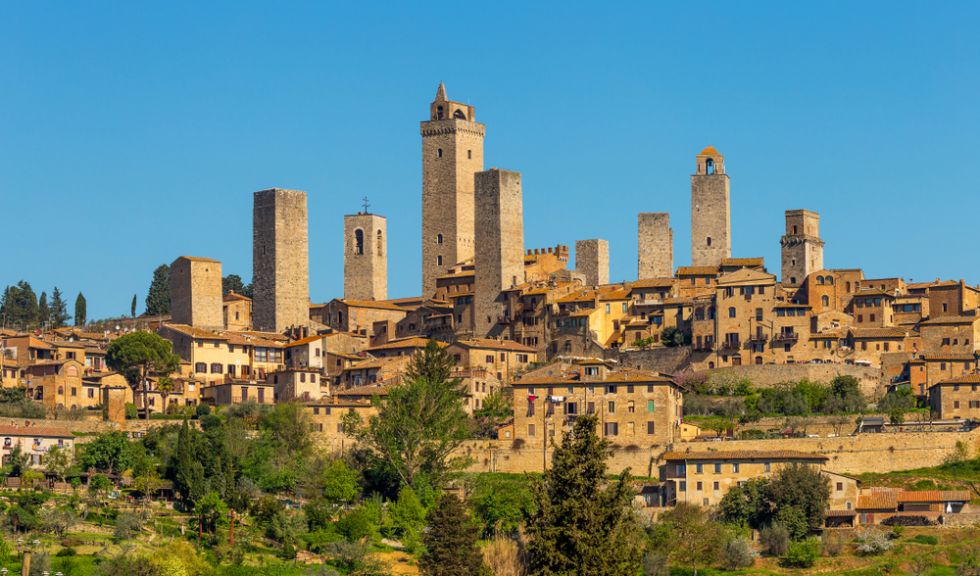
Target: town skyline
(625, 141)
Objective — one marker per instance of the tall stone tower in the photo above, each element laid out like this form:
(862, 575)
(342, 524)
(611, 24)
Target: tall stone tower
(711, 225)
(499, 244)
(592, 260)
(365, 257)
(195, 292)
(655, 245)
(802, 246)
(452, 152)
(280, 260)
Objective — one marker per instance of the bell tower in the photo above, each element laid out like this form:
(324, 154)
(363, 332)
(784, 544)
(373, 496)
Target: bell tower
(711, 225)
(452, 154)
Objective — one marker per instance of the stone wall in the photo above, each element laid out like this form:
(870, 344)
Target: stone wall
(195, 292)
(768, 375)
(665, 360)
(365, 257)
(592, 260)
(655, 243)
(280, 260)
(499, 244)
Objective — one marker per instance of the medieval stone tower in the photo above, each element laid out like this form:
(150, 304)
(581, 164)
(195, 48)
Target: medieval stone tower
(592, 260)
(499, 244)
(365, 257)
(452, 152)
(280, 260)
(711, 225)
(802, 246)
(195, 292)
(655, 245)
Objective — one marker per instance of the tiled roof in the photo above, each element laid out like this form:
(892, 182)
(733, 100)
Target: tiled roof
(235, 296)
(36, 431)
(950, 358)
(366, 390)
(198, 259)
(949, 320)
(491, 344)
(934, 496)
(409, 342)
(195, 332)
(575, 376)
(746, 276)
(758, 261)
(884, 332)
(653, 283)
(303, 341)
(880, 499)
(744, 455)
(965, 379)
(697, 270)
(378, 304)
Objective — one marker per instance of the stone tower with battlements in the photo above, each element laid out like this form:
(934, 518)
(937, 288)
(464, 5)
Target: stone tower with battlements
(655, 247)
(280, 260)
(452, 152)
(711, 225)
(802, 246)
(499, 233)
(195, 292)
(592, 260)
(365, 257)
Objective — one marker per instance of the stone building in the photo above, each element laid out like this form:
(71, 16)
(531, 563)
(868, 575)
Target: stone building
(592, 260)
(195, 292)
(711, 226)
(237, 311)
(802, 248)
(500, 244)
(452, 153)
(280, 260)
(655, 245)
(956, 398)
(365, 256)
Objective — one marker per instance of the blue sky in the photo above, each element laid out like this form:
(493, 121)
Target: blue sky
(134, 132)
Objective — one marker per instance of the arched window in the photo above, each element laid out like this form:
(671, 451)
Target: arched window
(438, 238)
(358, 242)
(439, 152)
(709, 241)
(825, 300)
(440, 113)
(459, 114)
(830, 280)
(819, 279)
(381, 243)
(709, 166)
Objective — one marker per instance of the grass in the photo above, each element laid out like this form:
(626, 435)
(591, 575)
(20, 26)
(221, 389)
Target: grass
(963, 475)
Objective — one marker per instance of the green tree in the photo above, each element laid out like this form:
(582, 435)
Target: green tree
(896, 404)
(132, 307)
(672, 337)
(138, 355)
(689, 535)
(19, 307)
(58, 315)
(451, 541)
(80, 310)
(57, 462)
(582, 523)
(497, 409)
(846, 395)
(232, 283)
(43, 311)
(158, 296)
(421, 421)
(109, 452)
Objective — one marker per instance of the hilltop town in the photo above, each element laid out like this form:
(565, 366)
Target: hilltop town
(700, 377)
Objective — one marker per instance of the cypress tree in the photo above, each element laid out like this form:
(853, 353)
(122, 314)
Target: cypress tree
(158, 296)
(80, 311)
(58, 315)
(583, 524)
(451, 541)
(43, 312)
(132, 307)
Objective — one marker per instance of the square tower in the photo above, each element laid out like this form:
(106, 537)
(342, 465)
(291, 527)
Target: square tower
(499, 259)
(711, 225)
(365, 257)
(592, 260)
(280, 260)
(195, 292)
(452, 152)
(655, 245)
(802, 247)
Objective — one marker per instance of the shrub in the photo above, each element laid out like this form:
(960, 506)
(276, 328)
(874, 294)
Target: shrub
(738, 553)
(832, 543)
(774, 539)
(925, 539)
(873, 542)
(202, 410)
(896, 532)
(654, 564)
(802, 554)
(128, 525)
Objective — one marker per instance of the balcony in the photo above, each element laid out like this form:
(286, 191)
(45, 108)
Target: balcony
(786, 337)
(729, 346)
(758, 338)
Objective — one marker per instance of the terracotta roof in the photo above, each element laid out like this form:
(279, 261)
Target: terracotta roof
(576, 376)
(236, 296)
(198, 259)
(252, 339)
(366, 390)
(884, 332)
(409, 342)
(697, 270)
(379, 304)
(378, 363)
(746, 276)
(834, 334)
(491, 344)
(880, 499)
(195, 332)
(934, 496)
(744, 455)
(303, 341)
(709, 151)
(949, 320)
(38, 431)
(742, 261)
(873, 292)
(965, 379)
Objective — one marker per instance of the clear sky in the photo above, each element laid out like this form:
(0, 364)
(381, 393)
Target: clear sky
(135, 132)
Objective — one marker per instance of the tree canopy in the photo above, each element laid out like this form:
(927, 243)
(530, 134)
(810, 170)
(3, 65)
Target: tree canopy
(158, 296)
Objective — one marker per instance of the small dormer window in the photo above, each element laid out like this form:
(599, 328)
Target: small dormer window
(591, 370)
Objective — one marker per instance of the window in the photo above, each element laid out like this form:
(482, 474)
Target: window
(698, 486)
(825, 300)
(718, 468)
(731, 312)
(612, 429)
(217, 368)
(469, 154)
(438, 238)
(439, 260)
(439, 153)
(630, 407)
(380, 244)
(735, 468)
(682, 486)
(201, 368)
(840, 486)
(767, 467)
(650, 405)
(650, 427)
(612, 407)
(359, 242)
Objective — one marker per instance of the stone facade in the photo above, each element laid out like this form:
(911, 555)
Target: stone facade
(452, 152)
(801, 246)
(280, 260)
(711, 226)
(365, 257)
(500, 244)
(195, 292)
(592, 260)
(656, 245)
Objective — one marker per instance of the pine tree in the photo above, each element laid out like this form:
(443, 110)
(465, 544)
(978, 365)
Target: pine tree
(132, 307)
(451, 541)
(59, 310)
(19, 307)
(582, 523)
(43, 312)
(158, 296)
(232, 283)
(80, 311)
